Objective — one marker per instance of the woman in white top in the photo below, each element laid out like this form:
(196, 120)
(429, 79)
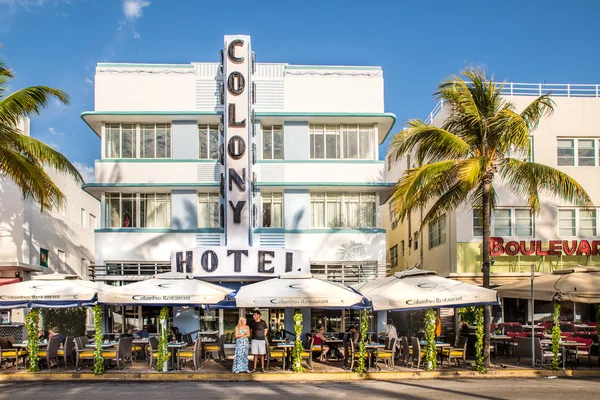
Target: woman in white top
(391, 332)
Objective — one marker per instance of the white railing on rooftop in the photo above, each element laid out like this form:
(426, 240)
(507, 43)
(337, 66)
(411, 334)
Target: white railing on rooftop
(535, 89)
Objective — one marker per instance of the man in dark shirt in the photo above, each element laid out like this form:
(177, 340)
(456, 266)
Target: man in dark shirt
(258, 329)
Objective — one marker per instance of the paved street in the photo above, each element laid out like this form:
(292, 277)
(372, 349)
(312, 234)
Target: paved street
(417, 389)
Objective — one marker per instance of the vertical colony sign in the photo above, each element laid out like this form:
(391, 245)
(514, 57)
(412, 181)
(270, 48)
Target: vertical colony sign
(238, 258)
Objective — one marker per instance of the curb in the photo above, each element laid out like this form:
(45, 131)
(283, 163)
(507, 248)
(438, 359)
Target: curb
(292, 377)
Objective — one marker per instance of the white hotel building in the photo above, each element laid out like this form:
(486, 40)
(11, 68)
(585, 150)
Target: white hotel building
(560, 236)
(276, 162)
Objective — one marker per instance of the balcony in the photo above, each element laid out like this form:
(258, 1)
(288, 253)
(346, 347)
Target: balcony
(126, 271)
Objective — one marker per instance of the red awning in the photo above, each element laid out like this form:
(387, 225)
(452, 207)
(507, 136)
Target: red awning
(8, 281)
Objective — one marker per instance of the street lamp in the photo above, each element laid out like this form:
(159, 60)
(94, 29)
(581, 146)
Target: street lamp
(532, 318)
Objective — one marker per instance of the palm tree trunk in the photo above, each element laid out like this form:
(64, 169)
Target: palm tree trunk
(486, 198)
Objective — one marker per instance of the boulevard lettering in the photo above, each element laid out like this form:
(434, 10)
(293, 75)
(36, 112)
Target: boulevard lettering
(536, 247)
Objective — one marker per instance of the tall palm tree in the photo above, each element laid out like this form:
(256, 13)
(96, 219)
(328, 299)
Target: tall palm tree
(22, 158)
(474, 149)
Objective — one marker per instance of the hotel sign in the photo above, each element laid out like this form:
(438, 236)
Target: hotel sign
(238, 258)
(498, 247)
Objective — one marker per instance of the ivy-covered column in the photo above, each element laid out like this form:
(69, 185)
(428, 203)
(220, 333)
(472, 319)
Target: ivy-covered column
(162, 358)
(479, 363)
(298, 349)
(555, 336)
(98, 336)
(430, 349)
(33, 325)
(362, 343)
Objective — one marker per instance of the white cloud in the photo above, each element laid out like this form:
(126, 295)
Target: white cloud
(89, 81)
(86, 171)
(136, 35)
(54, 146)
(133, 8)
(55, 133)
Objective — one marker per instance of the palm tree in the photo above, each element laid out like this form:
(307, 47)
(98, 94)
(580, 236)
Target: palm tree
(474, 149)
(22, 158)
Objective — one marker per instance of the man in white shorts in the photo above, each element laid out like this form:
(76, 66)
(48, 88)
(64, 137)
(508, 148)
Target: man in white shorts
(258, 330)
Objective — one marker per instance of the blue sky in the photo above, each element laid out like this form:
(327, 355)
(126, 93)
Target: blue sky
(59, 42)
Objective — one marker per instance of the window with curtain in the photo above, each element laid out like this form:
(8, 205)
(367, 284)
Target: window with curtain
(155, 210)
(477, 222)
(502, 222)
(272, 210)
(523, 222)
(120, 141)
(394, 256)
(345, 141)
(343, 210)
(437, 232)
(209, 210)
(120, 210)
(272, 142)
(208, 139)
(155, 140)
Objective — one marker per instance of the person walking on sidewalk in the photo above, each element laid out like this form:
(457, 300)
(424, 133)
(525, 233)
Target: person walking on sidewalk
(258, 329)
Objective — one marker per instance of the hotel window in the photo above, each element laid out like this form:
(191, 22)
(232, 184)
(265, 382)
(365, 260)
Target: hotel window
(120, 210)
(505, 222)
(82, 217)
(577, 222)
(402, 248)
(343, 210)
(577, 152)
(119, 141)
(272, 142)
(347, 141)
(208, 210)
(92, 224)
(416, 240)
(155, 141)
(208, 142)
(155, 210)
(394, 256)
(437, 232)
(272, 210)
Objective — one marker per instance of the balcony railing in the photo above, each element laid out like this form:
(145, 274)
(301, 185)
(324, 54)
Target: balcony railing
(535, 89)
(127, 269)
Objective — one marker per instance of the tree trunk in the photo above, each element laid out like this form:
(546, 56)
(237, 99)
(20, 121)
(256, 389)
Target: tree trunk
(487, 191)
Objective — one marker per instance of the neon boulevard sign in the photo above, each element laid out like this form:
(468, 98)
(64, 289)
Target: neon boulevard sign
(538, 248)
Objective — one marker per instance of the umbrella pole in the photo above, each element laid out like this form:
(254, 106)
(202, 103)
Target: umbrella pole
(532, 318)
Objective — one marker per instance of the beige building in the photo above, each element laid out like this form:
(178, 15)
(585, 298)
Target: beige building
(561, 235)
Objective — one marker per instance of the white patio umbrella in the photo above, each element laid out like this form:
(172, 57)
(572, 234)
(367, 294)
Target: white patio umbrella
(50, 291)
(416, 288)
(578, 284)
(168, 289)
(296, 291)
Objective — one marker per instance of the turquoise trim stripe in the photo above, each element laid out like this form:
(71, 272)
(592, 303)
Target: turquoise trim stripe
(322, 161)
(154, 160)
(118, 65)
(319, 230)
(319, 184)
(159, 230)
(334, 67)
(86, 113)
(165, 185)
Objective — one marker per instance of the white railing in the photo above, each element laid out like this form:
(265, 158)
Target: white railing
(535, 89)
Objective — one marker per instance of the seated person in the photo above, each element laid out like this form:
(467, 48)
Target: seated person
(43, 335)
(55, 333)
(129, 333)
(319, 340)
(144, 332)
(354, 335)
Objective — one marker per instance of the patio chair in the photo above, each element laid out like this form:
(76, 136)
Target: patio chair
(67, 351)
(353, 356)
(210, 348)
(315, 347)
(274, 352)
(194, 354)
(456, 353)
(387, 355)
(542, 356)
(51, 352)
(122, 354)
(8, 353)
(81, 352)
(405, 350)
(582, 351)
(416, 354)
(153, 351)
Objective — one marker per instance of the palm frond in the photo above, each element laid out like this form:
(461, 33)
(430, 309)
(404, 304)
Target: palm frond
(541, 107)
(28, 101)
(527, 179)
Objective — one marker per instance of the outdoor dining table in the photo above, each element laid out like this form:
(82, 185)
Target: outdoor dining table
(288, 346)
(565, 345)
(104, 345)
(504, 339)
(41, 345)
(371, 348)
(175, 346)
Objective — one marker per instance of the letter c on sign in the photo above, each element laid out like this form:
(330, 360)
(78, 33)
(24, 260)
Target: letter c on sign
(209, 261)
(231, 50)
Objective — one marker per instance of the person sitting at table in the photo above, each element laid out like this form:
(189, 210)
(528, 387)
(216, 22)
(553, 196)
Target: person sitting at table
(319, 340)
(144, 332)
(43, 335)
(55, 333)
(129, 333)
(175, 334)
(354, 335)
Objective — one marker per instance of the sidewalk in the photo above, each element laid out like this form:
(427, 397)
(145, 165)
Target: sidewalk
(332, 371)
